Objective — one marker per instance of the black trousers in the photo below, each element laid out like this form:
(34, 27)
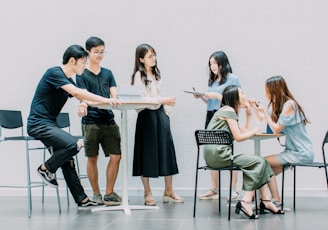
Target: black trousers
(64, 148)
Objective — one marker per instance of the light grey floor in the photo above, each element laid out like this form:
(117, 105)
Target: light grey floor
(311, 213)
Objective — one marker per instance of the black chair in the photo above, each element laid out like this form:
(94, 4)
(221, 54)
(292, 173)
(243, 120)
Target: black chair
(319, 165)
(215, 137)
(11, 119)
(63, 122)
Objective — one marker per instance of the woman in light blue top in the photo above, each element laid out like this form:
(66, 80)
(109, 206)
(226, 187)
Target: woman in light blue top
(220, 76)
(287, 116)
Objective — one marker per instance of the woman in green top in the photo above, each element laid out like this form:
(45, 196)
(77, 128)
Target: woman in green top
(256, 170)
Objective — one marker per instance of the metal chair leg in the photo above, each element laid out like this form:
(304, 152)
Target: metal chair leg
(28, 176)
(67, 196)
(294, 199)
(230, 195)
(282, 187)
(219, 190)
(195, 193)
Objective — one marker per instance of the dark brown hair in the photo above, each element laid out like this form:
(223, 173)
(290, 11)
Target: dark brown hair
(279, 93)
(141, 51)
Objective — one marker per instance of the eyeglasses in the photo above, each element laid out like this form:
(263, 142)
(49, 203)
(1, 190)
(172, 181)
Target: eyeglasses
(151, 56)
(83, 62)
(99, 53)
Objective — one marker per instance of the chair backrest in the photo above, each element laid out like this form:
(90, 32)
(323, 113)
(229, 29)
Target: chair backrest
(11, 119)
(63, 120)
(324, 142)
(213, 137)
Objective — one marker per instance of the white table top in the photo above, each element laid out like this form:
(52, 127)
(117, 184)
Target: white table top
(263, 136)
(126, 105)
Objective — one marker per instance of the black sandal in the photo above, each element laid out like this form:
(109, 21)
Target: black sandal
(239, 208)
(263, 208)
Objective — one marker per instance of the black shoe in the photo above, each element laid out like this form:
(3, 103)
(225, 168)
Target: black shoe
(89, 204)
(263, 208)
(239, 208)
(48, 177)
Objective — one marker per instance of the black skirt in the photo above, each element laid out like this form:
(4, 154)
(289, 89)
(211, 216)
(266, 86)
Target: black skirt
(154, 153)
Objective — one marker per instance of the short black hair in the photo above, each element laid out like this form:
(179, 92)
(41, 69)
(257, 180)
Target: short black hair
(75, 51)
(93, 42)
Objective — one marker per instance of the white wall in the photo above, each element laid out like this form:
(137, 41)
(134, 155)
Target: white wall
(261, 38)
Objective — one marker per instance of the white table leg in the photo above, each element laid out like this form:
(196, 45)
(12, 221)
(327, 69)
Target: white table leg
(257, 152)
(124, 158)
(257, 147)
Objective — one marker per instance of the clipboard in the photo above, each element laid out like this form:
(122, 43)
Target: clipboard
(195, 93)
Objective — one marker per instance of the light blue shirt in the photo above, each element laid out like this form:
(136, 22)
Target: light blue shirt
(298, 144)
(214, 104)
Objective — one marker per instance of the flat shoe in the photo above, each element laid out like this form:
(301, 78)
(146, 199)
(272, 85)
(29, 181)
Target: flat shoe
(211, 194)
(234, 196)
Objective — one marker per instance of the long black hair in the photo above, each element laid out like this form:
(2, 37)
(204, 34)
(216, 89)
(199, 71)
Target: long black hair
(222, 60)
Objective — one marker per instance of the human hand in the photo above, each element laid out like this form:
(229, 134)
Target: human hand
(113, 101)
(257, 131)
(259, 106)
(252, 102)
(195, 95)
(248, 103)
(168, 101)
(82, 109)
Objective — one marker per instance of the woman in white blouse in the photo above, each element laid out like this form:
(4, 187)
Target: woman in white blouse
(154, 152)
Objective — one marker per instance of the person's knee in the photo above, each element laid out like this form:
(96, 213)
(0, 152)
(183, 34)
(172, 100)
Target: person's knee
(93, 160)
(72, 148)
(262, 162)
(79, 144)
(115, 158)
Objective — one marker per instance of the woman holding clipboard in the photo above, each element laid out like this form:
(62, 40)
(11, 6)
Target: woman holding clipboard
(220, 76)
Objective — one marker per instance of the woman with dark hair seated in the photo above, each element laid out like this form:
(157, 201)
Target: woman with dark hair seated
(256, 170)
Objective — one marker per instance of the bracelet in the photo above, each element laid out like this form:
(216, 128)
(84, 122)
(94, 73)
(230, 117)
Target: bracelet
(85, 102)
(249, 113)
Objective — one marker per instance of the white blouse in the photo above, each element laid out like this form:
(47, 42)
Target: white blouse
(151, 92)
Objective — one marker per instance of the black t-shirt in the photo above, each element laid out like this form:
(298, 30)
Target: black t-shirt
(100, 85)
(49, 98)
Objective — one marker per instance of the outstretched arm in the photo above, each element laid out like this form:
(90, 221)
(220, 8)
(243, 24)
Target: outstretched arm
(275, 126)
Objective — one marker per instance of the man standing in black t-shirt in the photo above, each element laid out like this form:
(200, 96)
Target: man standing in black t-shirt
(98, 126)
(51, 94)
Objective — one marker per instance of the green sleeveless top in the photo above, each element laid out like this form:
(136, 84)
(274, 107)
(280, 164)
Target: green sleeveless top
(217, 123)
(217, 155)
